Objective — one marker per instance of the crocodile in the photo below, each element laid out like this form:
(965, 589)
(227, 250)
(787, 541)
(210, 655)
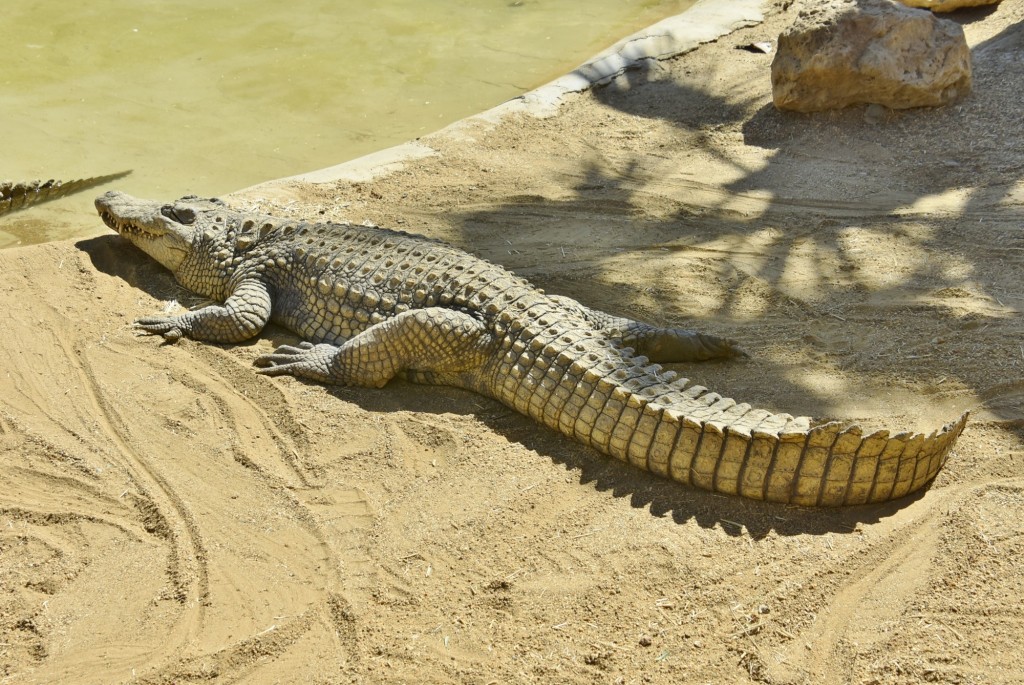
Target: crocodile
(23, 194)
(371, 304)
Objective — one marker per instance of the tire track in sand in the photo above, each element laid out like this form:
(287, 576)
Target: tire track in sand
(855, 612)
(888, 613)
(208, 582)
(187, 566)
(59, 425)
(262, 438)
(332, 513)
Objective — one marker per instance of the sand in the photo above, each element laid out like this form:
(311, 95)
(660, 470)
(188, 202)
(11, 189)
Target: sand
(168, 516)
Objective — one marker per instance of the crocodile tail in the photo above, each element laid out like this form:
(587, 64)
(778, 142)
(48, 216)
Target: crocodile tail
(639, 414)
(15, 196)
(826, 466)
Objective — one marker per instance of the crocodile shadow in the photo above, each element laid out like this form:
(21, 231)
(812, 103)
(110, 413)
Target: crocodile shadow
(115, 256)
(736, 516)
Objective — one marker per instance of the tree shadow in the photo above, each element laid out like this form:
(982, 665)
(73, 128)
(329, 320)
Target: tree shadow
(832, 191)
(848, 137)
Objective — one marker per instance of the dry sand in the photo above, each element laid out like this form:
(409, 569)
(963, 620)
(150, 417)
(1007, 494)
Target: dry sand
(167, 516)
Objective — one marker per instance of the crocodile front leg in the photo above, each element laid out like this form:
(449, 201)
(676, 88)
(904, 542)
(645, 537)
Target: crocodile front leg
(242, 316)
(435, 340)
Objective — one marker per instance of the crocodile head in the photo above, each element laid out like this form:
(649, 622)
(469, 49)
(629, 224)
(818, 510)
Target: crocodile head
(166, 232)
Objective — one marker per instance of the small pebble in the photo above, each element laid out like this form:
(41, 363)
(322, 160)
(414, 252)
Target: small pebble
(874, 114)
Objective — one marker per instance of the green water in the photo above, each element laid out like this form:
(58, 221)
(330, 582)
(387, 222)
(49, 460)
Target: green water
(208, 97)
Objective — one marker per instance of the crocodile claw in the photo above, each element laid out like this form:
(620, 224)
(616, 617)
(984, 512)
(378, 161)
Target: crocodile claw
(159, 325)
(732, 349)
(304, 361)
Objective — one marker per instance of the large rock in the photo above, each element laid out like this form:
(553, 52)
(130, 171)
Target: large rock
(947, 5)
(847, 52)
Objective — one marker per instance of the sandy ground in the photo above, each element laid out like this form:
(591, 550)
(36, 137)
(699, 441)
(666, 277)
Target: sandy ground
(167, 516)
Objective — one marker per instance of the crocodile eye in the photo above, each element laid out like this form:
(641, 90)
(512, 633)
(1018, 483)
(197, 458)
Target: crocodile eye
(183, 215)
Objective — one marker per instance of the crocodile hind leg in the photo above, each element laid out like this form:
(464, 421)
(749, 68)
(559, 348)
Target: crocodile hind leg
(433, 340)
(660, 345)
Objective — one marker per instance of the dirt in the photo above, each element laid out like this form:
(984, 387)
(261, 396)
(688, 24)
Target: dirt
(168, 516)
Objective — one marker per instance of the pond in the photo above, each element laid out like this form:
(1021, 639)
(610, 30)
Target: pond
(206, 98)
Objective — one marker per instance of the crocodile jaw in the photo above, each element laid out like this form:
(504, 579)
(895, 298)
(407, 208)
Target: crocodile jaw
(162, 231)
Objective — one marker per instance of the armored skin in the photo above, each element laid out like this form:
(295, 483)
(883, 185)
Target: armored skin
(373, 304)
(24, 194)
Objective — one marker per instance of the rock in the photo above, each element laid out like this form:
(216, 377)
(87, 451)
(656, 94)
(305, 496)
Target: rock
(874, 114)
(946, 5)
(847, 52)
(764, 47)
